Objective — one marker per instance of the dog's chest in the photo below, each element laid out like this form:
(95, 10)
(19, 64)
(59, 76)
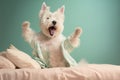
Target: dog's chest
(53, 49)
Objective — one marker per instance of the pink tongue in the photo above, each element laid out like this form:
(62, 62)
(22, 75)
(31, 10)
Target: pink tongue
(51, 31)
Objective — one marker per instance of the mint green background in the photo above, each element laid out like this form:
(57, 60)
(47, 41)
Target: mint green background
(99, 19)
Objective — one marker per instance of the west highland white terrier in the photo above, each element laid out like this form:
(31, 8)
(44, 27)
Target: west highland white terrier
(50, 47)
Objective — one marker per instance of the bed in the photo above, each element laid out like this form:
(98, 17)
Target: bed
(30, 69)
(84, 72)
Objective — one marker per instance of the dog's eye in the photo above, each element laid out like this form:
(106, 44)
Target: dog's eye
(47, 17)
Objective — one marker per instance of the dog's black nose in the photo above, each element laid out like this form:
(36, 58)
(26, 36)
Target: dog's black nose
(54, 22)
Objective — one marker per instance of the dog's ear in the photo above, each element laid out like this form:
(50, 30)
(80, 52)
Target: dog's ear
(62, 9)
(44, 7)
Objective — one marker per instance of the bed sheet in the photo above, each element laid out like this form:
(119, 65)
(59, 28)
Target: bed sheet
(84, 72)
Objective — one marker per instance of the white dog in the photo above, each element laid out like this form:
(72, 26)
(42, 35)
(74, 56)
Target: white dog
(50, 47)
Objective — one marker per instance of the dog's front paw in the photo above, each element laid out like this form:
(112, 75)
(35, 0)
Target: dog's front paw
(25, 25)
(74, 38)
(77, 32)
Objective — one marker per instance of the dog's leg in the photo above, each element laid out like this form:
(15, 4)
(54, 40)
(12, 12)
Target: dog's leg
(28, 33)
(74, 38)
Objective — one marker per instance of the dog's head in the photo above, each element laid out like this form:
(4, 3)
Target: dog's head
(51, 23)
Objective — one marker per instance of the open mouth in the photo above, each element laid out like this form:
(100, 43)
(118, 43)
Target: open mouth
(52, 30)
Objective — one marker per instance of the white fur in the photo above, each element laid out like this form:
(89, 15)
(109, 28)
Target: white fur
(51, 43)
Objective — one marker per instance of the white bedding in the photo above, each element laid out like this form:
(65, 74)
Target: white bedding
(86, 72)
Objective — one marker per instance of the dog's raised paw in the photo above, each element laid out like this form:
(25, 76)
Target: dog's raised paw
(26, 24)
(78, 32)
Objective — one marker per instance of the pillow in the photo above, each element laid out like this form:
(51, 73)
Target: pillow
(3, 54)
(12, 47)
(5, 63)
(21, 59)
